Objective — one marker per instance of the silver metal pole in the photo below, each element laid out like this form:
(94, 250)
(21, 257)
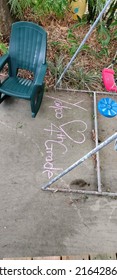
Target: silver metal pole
(96, 141)
(88, 91)
(110, 194)
(84, 40)
(92, 152)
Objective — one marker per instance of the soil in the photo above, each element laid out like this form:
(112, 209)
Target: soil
(64, 37)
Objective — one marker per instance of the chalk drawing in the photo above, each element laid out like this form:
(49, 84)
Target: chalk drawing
(49, 168)
(72, 104)
(79, 132)
(61, 130)
(73, 130)
(58, 107)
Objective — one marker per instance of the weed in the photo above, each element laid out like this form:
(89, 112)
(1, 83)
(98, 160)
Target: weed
(44, 8)
(103, 35)
(113, 26)
(96, 6)
(17, 7)
(3, 48)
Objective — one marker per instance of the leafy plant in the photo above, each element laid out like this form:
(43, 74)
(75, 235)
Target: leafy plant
(58, 8)
(3, 48)
(75, 77)
(17, 6)
(111, 13)
(96, 6)
(56, 67)
(41, 7)
(82, 79)
(113, 27)
(103, 35)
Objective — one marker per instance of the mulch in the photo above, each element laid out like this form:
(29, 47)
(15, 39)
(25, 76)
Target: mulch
(60, 43)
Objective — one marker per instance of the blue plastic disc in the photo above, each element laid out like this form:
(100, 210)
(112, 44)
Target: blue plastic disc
(107, 107)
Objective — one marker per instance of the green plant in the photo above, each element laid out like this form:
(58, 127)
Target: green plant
(107, 20)
(96, 6)
(17, 6)
(3, 48)
(56, 67)
(41, 7)
(76, 77)
(58, 8)
(111, 13)
(72, 40)
(113, 27)
(103, 35)
(82, 79)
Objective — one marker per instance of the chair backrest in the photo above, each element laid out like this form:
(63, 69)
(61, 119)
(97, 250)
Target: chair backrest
(28, 45)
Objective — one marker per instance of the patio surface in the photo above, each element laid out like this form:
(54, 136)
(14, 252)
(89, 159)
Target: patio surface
(34, 222)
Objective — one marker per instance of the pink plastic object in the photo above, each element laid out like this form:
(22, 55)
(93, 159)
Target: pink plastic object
(108, 79)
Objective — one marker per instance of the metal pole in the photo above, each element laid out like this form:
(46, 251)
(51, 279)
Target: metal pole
(92, 152)
(110, 194)
(96, 141)
(88, 91)
(84, 40)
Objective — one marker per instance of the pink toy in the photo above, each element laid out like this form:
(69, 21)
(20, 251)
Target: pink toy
(108, 79)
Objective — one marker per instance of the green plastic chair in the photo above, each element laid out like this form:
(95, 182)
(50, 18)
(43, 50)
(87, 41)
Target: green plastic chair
(27, 50)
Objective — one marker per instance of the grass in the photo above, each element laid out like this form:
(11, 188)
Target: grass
(85, 73)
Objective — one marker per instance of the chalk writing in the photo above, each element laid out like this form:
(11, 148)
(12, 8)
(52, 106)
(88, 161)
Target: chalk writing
(59, 134)
(48, 166)
(58, 107)
(60, 102)
(61, 130)
(79, 131)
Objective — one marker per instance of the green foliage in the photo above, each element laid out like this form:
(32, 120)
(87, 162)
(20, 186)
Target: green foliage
(17, 6)
(106, 22)
(51, 7)
(3, 48)
(42, 7)
(103, 35)
(59, 7)
(72, 39)
(71, 44)
(114, 24)
(111, 13)
(96, 6)
(78, 77)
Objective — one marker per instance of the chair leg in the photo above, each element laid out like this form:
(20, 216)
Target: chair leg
(36, 101)
(2, 97)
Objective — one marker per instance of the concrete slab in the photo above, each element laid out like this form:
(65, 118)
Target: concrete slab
(37, 223)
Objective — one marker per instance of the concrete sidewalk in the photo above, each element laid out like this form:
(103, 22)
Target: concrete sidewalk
(32, 151)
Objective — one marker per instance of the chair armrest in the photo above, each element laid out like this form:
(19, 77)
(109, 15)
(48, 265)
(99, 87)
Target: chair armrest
(3, 60)
(40, 75)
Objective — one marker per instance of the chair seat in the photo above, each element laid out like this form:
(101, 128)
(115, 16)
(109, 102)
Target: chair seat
(18, 87)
